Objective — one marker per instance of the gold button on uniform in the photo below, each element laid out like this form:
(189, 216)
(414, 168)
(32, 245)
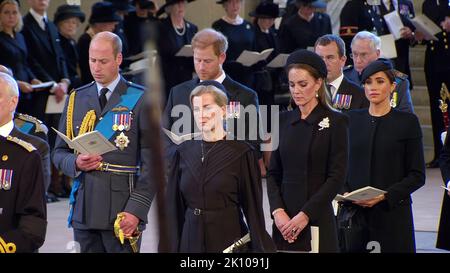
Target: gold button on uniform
(4, 157)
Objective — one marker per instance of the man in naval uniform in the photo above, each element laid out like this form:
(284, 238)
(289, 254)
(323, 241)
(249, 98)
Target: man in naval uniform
(23, 219)
(115, 182)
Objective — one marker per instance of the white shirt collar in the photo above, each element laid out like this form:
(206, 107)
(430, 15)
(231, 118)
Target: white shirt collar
(6, 129)
(336, 83)
(39, 18)
(221, 78)
(110, 86)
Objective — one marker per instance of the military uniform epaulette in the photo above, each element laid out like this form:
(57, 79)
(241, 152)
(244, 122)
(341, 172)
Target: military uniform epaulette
(27, 146)
(400, 75)
(39, 125)
(83, 87)
(348, 67)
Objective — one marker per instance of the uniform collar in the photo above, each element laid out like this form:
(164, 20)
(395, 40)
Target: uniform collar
(6, 129)
(110, 86)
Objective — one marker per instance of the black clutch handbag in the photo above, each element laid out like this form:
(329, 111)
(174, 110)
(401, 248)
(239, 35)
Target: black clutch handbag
(352, 227)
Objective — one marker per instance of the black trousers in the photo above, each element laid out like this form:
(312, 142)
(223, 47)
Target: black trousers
(435, 77)
(101, 241)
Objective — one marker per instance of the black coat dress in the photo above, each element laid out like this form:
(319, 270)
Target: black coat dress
(306, 172)
(240, 37)
(175, 70)
(207, 201)
(387, 153)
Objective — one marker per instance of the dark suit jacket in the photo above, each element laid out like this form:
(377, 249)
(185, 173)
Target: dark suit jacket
(104, 194)
(311, 187)
(42, 147)
(14, 55)
(48, 61)
(359, 99)
(46, 58)
(387, 153)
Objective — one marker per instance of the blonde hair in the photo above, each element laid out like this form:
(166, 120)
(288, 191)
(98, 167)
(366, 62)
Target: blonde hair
(19, 24)
(220, 98)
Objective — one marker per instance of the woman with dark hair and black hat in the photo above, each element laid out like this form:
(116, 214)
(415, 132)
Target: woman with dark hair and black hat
(214, 183)
(14, 52)
(103, 18)
(385, 152)
(309, 166)
(240, 35)
(68, 19)
(175, 32)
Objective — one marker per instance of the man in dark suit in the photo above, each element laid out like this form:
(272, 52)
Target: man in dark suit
(22, 204)
(47, 58)
(345, 94)
(365, 49)
(115, 182)
(209, 48)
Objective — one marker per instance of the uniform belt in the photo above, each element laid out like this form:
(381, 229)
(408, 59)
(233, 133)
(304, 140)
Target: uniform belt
(108, 167)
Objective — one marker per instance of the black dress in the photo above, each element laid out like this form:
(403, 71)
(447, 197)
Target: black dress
(307, 171)
(240, 37)
(387, 153)
(207, 201)
(297, 33)
(264, 78)
(443, 238)
(70, 50)
(83, 53)
(175, 69)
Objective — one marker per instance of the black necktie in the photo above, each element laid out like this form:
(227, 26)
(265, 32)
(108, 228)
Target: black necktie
(102, 99)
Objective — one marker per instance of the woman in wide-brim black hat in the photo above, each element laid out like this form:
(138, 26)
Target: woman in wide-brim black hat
(68, 19)
(175, 32)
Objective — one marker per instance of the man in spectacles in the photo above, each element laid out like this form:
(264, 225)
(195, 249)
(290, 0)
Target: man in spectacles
(365, 48)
